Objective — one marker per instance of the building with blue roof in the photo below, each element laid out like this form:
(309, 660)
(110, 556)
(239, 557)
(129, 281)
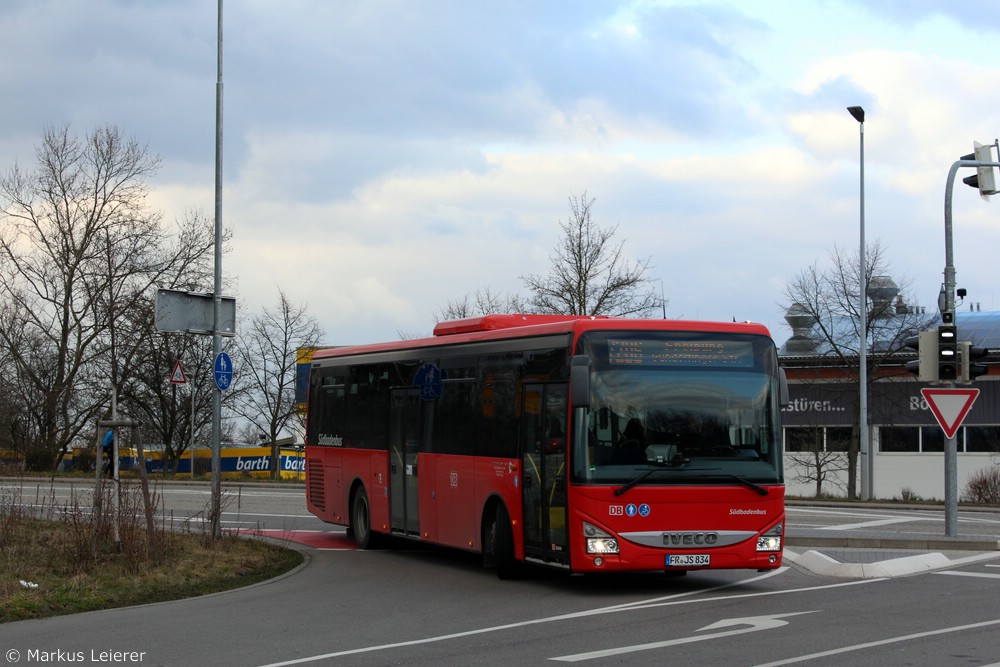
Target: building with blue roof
(906, 441)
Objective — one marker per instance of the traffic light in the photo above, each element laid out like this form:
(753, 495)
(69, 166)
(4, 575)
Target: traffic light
(983, 179)
(925, 366)
(968, 352)
(947, 352)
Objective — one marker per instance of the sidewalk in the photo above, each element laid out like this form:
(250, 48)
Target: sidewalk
(910, 542)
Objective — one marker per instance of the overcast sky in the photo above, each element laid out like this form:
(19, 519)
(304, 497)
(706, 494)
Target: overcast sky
(384, 158)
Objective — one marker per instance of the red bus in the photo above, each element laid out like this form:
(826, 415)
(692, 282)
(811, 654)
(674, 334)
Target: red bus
(586, 443)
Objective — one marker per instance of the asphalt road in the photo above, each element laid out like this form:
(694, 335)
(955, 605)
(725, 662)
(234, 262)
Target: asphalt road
(429, 606)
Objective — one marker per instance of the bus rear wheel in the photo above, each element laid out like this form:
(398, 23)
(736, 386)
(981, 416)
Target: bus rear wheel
(361, 519)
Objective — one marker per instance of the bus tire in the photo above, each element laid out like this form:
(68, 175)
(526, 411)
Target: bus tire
(498, 544)
(361, 519)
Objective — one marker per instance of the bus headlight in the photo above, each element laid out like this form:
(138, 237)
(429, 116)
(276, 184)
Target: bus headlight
(771, 540)
(598, 541)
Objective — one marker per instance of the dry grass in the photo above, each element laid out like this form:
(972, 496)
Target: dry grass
(67, 560)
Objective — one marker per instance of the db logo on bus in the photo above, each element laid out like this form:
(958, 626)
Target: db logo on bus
(629, 510)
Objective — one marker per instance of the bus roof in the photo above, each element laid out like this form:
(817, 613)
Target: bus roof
(498, 327)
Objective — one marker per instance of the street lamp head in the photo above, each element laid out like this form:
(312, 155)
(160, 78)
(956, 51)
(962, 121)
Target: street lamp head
(858, 113)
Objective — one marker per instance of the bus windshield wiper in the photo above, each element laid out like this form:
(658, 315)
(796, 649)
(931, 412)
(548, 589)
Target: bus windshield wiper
(658, 467)
(760, 490)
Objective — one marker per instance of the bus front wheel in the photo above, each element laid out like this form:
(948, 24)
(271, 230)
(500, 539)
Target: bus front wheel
(498, 544)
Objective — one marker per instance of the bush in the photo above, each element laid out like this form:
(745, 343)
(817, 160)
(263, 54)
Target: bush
(83, 460)
(984, 487)
(39, 459)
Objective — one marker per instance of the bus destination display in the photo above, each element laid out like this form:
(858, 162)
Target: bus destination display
(714, 353)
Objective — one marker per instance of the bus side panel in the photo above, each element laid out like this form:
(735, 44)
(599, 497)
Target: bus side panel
(370, 467)
(378, 490)
(324, 473)
(333, 476)
(452, 501)
(427, 496)
(502, 478)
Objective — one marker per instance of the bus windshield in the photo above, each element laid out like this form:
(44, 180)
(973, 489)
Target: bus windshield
(695, 407)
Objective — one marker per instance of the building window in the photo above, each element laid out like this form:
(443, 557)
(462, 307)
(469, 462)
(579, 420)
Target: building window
(803, 439)
(932, 439)
(838, 439)
(982, 439)
(817, 439)
(899, 439)
(927, 439)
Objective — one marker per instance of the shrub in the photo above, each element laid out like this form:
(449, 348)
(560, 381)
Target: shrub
(984, 487)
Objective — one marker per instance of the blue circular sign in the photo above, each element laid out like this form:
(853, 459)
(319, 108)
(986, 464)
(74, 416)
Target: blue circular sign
(223, 368)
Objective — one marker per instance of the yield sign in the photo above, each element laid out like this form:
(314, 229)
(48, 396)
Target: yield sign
(177, 377)
(950, 406)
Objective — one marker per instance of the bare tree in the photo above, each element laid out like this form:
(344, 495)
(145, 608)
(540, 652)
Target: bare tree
(485, 302)
(15, 419)
(172, 415)
(590, 274)
(815, 462)
(267, 364)
(79, 251)
(830, 297)
(146, 357)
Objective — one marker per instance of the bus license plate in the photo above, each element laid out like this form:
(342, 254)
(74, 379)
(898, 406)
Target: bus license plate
(688, 560)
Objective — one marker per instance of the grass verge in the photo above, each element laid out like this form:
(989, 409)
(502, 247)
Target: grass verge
(77, 562)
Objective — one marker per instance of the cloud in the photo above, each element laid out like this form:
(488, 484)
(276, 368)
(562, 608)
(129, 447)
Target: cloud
(383, 158)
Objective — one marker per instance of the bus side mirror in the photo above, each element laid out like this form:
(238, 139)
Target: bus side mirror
(579, 381)
(784, 399)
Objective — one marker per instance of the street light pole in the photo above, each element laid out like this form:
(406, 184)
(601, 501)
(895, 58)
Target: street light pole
(866, 482)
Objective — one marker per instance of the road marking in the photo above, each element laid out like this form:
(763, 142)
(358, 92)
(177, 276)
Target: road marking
(871, 524)
(881, 642)
(981, 575)
(855, 513)
(665, 601)
(756, 624)
(284, 516)
(318, 539)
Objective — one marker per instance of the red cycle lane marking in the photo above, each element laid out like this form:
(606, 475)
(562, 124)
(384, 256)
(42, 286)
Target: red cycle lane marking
(310, 538)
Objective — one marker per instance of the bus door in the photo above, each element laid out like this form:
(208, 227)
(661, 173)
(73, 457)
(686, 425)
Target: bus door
(543, 462)
(405, 442)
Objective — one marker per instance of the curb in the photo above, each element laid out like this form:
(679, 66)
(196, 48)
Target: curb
(905, 543)
(820, 564)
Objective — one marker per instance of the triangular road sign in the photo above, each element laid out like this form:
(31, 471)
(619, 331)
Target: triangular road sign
(177, 377)
(950, 406)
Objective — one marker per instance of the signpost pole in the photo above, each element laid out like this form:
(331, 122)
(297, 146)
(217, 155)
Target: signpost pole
(951, 487)
(216, 339)
(113, 464)
(950, 407)
(191, 444)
